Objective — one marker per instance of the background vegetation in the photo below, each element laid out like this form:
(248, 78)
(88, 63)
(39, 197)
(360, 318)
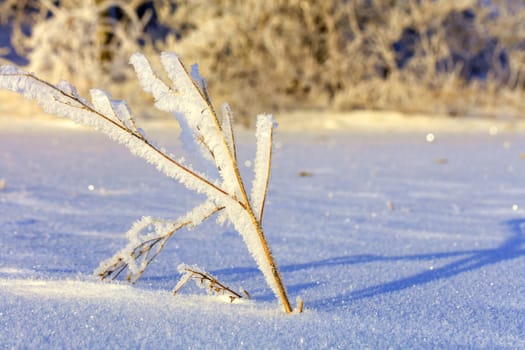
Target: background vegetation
(464, 57)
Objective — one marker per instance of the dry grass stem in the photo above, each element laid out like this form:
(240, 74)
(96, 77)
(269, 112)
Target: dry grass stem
(205, 280)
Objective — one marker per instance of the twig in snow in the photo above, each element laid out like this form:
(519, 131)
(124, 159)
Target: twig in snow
(205, 280)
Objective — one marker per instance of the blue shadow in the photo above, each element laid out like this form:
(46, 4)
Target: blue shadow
(468, 260)
(463, 261)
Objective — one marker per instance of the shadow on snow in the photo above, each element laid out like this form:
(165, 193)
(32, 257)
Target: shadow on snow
(464, 261)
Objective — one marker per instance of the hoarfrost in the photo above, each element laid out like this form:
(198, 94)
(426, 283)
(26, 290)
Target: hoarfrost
(189, 101)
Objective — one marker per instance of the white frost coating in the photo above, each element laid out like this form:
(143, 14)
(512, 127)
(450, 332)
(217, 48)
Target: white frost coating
(123, 113)
(186, 275)
(138, 226)
(263, 154)
(195, 148)
(222, 218)
(165, 98)
(102, 103)
(200, 117)
(247, 229)
(227, 128)
(192, 104)
(16, 80)
(57, 102)
(148, 229)
(69, 89)
(187, 100)
(135, 237)
(199, 213)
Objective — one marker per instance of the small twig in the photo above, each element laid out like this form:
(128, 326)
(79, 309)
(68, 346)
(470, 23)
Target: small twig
(143, 251)
(206, 280)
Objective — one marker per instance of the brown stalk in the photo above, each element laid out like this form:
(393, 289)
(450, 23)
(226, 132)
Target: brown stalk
(247, 207)
(214, 284)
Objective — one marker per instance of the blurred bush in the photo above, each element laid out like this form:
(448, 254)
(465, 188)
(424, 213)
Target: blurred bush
(462, 58)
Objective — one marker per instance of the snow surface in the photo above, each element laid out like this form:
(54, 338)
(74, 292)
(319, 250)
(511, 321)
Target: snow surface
(391, 241)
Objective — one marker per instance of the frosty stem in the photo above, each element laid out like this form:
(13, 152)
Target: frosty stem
(275, 271)
(206, 279)
(257, 223)
(262, 240)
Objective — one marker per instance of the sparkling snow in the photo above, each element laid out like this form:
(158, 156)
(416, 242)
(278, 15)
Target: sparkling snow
(390, 240)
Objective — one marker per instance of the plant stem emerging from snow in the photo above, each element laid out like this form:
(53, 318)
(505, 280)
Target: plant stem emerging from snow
(188, 99)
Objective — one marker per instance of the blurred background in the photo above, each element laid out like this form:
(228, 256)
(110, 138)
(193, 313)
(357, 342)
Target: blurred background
(456, 58)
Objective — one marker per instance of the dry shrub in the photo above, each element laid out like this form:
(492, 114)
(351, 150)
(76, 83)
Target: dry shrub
(461, 57)
(288, 51)
(452, 59)
(414, 56)
(78, 40)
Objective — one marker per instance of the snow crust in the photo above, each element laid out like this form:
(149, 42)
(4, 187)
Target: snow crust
(390, 240)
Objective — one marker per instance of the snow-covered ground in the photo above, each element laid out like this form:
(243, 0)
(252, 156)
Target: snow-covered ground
(401, 240)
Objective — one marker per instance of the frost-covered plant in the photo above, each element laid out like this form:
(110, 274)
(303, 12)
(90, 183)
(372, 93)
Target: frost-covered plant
(187, 98)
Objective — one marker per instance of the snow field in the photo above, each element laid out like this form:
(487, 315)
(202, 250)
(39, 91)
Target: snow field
(390, 240)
